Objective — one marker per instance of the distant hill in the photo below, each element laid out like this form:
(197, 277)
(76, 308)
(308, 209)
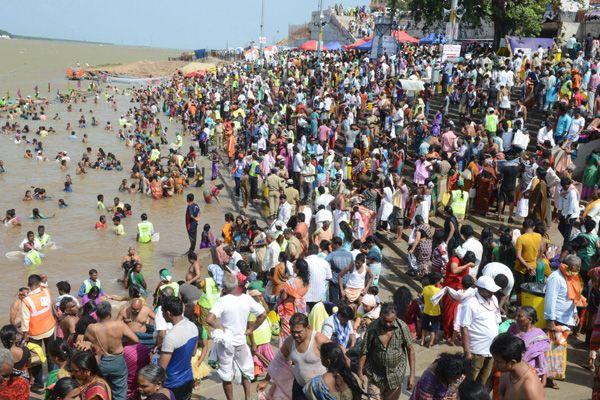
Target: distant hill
(4, 33)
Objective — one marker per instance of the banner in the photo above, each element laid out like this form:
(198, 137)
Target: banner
(450, 51)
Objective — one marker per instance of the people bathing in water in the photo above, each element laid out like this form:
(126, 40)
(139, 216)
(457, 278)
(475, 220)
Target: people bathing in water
(62, 204)
(101, 223)
(11, 218)
(35, 214)
(28, 196)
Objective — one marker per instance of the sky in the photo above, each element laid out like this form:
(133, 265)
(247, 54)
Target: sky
(178, 24)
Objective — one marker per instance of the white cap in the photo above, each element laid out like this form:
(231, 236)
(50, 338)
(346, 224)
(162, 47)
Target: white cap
(487, 283)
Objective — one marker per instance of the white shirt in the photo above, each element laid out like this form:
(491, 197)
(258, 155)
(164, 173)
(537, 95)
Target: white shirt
(339, 216)
(307, 211)
(233, 311)
(320, 274)
(324, 199)
(235, 257)
(545, 134)
(481, 317)
(298, 162)
(36, 244)
(577, 125)
(285, 212)
(271, 256)
(568, 205)
(494, 269)
(323, 215)
(476, 247)
(160, 323)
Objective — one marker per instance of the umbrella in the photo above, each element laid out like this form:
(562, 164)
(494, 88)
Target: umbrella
(404, 37)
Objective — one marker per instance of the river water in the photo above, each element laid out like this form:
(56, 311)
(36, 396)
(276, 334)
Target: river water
(80, 247)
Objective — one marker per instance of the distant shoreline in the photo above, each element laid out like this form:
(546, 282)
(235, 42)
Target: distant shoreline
(12, 36)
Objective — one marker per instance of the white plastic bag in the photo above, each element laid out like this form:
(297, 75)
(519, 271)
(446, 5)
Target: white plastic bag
(520, 140)
(412, 262)
(523, 208)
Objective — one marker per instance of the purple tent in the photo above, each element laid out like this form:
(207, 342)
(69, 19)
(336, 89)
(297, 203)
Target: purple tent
(515, 42)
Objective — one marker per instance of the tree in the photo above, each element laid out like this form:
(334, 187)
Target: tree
(521, 17)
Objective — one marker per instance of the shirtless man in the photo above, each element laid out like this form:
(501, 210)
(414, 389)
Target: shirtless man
(137, 315)
(193, 275)
(70, 309)
(15, 308)
(519, 380)
(107, 337)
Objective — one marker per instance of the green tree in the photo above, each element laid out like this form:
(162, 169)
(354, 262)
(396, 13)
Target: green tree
(520, 17)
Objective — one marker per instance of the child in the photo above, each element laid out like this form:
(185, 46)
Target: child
(440, 258)
(357, 222)
(227, 231)
(207, 239)
(213, 193)
(260, 340)
(68, 188)
(215, 165)
(101, 223)
(127, 209)
(100, 205)
(62, 204)
(118, 229)
(123, 186)
(431, 312)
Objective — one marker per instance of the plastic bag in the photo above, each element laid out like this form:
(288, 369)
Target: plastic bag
(412, 262)
(523, 208)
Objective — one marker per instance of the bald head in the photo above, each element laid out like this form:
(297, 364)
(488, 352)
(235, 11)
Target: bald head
(137, 304)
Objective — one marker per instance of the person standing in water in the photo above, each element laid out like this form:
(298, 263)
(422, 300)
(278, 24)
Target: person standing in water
(145, 230)
(192, 217)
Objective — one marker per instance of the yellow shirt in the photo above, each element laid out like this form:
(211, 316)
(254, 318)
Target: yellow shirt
(428, 292)
(529, 243)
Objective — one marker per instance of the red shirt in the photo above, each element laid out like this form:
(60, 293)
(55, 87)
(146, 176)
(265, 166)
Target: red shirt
(15, 388)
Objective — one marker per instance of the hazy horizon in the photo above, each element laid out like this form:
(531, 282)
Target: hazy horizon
(183, 24)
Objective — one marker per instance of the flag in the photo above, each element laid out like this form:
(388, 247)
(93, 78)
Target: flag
(48, 87)
(19, 93)
(7, 94)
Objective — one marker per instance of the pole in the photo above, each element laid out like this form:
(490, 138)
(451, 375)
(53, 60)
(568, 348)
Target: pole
(262, 25)
(320, 42)
(453, 7)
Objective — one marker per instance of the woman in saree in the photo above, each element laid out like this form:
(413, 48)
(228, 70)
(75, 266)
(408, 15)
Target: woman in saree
(536, 340)
(84, 368)
(156, 188)
(485, 184)
(339, 382)
(459, 266)
(291, 299)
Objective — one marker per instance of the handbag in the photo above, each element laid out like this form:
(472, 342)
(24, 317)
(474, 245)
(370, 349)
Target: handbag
(412, 262)
(521, 140)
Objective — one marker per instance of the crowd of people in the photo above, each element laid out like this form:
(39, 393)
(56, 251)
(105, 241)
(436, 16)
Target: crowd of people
(336, 157)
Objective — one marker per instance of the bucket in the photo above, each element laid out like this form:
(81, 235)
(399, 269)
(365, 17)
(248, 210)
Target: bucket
(532, 294)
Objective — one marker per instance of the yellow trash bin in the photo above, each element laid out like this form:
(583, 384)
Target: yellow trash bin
(532, 294)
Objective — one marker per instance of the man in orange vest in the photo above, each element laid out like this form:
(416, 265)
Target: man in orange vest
(38, 323)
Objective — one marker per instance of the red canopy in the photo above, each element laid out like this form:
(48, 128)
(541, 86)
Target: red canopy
(310, 45)
(404, 37)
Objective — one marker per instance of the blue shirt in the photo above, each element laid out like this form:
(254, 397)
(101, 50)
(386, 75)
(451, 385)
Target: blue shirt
(338, 260)
(557, 306)
(180, 342)
(562, 126)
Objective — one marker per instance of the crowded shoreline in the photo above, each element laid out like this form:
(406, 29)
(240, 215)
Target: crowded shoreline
(326, 164)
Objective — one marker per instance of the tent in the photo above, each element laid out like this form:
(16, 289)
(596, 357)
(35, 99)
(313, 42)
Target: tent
(332, 46)
(311, 45)
(195, 74)
(365, 46)
(357, 43)
(403, 37)
(434, 38)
